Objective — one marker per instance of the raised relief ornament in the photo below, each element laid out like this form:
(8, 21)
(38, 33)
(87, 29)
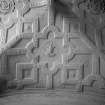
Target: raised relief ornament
(93, 6)
(6, 6)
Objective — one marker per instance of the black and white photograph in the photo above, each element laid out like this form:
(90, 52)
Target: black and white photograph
(52, 52)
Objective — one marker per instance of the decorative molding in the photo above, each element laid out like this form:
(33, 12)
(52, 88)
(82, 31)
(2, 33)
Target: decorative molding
(73, 75)
(5, 57)
(95, 75)
(33, 44)
(25, 72)
(5, 27)
(51, 74)
(23, 35)
(52, 34)
(15, 51)
(96, 7)
(49, 49)
(28, 26)
(10, 43)
(39, 4)
(28, 5)
(6, 6)
(7, 21)
(3, 61)
(2, 37)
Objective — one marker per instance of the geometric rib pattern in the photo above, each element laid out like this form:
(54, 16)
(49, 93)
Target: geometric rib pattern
(55, 58)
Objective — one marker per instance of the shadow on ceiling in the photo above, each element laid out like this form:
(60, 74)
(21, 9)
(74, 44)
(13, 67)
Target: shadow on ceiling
(63, 7)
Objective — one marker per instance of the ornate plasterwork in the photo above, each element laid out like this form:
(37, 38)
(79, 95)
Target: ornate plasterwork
(25, 6)
(53, 46)
(47, 50)
(51, 51)
(93, 6)
(6, 6)
(12, 13)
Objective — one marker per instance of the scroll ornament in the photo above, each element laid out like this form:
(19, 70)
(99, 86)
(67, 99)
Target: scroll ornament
(6, 6)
